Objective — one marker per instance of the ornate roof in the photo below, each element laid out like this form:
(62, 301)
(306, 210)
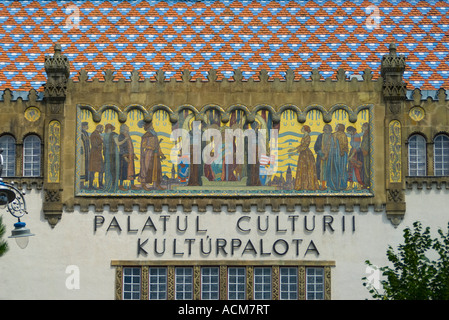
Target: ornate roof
(172, 36)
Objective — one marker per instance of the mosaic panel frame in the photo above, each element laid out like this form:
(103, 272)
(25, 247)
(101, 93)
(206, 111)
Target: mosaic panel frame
(117, 117)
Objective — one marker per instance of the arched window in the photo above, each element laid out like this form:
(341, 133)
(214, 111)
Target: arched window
(417, 161)
(8, 144)
(441, 155)
(32, 156)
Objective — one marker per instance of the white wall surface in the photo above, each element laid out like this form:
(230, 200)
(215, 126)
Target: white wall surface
(40, 270)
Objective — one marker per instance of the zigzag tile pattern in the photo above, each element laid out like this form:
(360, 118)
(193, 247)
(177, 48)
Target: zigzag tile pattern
(173, 36)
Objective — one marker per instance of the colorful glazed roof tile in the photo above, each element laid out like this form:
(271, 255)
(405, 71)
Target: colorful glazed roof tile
(173, 36)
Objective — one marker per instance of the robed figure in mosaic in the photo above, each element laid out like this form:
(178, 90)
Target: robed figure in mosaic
(253, 163)
(96, 163)
(227, 169)
(85, 153)
(365, 147)
(306, 178)
(355, 160)
(111, 159)
(127, 157)
(207, 168)
(322, 148)
(337, 166)
(150, 159)
(195, 167)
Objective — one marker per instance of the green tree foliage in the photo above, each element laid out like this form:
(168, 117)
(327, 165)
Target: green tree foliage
(3, 243)
(413, 276)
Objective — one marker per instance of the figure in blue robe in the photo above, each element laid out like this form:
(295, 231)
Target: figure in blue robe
(111, 159)
(337, 164)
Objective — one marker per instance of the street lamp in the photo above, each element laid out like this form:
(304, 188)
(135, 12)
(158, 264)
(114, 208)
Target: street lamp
(13, 200)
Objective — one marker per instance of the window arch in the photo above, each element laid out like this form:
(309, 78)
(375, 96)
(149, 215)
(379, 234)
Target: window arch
(417, 162)
(8, 145)
(32, 156)
(441, 155)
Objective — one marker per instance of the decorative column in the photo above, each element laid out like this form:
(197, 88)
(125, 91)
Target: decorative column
(394, 95)
(57, 68)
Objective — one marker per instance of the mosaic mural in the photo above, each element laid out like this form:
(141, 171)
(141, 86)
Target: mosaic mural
(122, 153)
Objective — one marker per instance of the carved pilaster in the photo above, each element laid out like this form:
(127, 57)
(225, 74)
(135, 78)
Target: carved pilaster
(249, 282)
(394, 95)
(144, 289)
(118, 282)
(327, 283)
(275, 283)
(57, 68)
(302, 283)
(171, 283)
(196, 283)
(223, 282)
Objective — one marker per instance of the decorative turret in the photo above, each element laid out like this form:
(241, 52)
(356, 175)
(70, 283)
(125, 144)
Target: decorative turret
(394, 91)
(392, 71)
(57, 68)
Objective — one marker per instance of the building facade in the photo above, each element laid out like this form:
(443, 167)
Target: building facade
(223, 177)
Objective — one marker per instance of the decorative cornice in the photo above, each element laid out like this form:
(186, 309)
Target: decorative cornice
(219, 204)
(250, 112)
(429, 181)
(394, 90)
(261, 77)
(27, 183)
